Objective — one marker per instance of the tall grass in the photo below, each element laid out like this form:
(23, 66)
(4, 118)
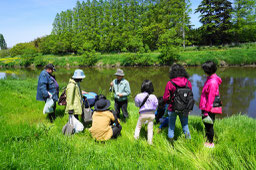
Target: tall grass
(29, 141)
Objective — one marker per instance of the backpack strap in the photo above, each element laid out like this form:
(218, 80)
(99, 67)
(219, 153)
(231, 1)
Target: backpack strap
(144, 101)
(173, 84)
(177, 85)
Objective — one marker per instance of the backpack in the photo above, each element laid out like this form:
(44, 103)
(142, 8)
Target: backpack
(63, 98)
(182, 100)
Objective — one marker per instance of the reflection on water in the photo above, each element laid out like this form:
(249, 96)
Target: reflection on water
(238, 88)
(2, 75)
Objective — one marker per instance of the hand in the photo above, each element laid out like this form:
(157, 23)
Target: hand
(50, 95)
(120, 95)
(111, 84)
(70, 111)
(84, 92)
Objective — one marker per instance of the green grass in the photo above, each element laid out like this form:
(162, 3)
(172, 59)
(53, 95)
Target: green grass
(191, 57)
(29, 141)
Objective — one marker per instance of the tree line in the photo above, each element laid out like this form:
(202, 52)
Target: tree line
(224, 23)
(145, 25)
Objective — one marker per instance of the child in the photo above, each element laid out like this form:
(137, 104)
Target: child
(147, 102)
(160, 114)
(209, 93)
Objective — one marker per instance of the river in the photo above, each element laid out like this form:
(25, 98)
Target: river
(238, 88)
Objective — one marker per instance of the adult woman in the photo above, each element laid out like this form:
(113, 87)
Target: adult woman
(178, 77)
(209, 93)
(104, 123)
(74, 94)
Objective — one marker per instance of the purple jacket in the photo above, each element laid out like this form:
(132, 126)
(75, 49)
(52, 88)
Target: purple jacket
(210, 90)
(150, 105)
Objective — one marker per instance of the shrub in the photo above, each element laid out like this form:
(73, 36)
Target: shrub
(168, 56)
(88, 59)
(39, 60)
(138, 60)
(22, 48)
(28, 57)
(4, 53)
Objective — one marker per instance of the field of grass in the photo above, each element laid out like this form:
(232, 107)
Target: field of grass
(29, 141)
(191, 56)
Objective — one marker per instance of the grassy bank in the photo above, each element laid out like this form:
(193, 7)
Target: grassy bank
(28, 140)
(191, 57)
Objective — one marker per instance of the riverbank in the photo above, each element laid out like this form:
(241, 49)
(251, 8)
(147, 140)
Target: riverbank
(223, 57)
(29, 141)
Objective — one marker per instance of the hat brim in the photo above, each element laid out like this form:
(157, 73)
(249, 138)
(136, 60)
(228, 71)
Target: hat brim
(102, 109)
(117, 74)
(79, 77)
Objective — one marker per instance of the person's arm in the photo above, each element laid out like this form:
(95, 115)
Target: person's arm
(70, 98)
(137, 101)
(155, 102)
(189, 85)
(43, 86)
(127, 90)
(166, 93)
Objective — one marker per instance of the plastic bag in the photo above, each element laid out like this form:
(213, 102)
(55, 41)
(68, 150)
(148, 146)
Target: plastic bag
(78, 126)
(48, 107)
(69, 129)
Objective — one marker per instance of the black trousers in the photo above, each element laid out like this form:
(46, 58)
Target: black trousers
(116, 131)
(52, 116)
(209, 131)
(123, 105)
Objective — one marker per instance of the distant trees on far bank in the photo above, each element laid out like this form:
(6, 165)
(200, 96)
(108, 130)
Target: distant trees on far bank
(142, 26)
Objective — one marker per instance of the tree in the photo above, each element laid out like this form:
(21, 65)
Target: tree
(3, 44)
(216, 19)
(244, 20)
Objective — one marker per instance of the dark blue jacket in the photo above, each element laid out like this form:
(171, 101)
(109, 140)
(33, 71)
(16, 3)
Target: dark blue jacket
(46, 84)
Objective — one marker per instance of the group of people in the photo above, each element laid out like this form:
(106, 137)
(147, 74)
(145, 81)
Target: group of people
(106, 123)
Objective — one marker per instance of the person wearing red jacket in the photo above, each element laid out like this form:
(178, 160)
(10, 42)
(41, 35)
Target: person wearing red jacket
(179, 76)
(209, 92)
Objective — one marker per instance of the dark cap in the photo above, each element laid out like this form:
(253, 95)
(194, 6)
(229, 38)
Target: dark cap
(50, 66)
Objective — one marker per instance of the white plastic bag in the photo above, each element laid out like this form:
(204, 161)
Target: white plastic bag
(79, 127)
(48, 107)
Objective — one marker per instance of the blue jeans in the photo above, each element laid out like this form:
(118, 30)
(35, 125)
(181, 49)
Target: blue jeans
(184, 124)
(165, 123)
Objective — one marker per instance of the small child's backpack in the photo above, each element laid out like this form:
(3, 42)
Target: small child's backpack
(182, 100)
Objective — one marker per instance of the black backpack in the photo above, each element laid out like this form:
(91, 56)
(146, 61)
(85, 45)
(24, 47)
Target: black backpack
(182, 100)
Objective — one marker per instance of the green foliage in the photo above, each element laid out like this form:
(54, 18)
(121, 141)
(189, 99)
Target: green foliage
(39, 60)
(216, 19)
(4, 53)
(27, 58)
(115, 26)
(167, 47)
(22, 48)
(88, 59)
(138, 60)
(26, 136)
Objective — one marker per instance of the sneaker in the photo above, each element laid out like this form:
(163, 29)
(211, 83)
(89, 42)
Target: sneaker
(209, 145)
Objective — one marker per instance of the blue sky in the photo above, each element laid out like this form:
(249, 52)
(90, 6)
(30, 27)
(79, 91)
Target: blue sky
(25, 20)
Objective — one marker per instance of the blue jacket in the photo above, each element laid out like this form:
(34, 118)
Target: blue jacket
(46, 83)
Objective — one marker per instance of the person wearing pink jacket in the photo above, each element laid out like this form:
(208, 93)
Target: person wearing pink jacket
(179, 77)
(209, 93)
